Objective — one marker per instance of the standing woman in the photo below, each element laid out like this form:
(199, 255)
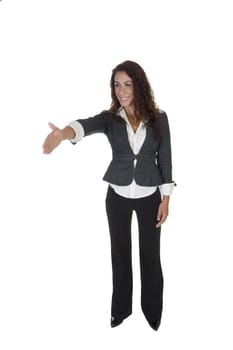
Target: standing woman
(140, 180)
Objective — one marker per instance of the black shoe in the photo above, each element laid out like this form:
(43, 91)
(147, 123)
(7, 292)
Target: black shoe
(115, 322)
(155, 325)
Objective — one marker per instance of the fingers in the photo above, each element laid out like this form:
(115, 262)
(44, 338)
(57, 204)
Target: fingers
(47, 145)
(161, 221)
(52, 140)
(52, 126)
(162, 215)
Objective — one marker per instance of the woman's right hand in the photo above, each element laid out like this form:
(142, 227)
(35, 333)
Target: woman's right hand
(53, 139)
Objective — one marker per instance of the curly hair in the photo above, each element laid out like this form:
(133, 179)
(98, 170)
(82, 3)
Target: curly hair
(145, 107)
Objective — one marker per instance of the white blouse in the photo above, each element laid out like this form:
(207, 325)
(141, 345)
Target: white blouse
(136, 140)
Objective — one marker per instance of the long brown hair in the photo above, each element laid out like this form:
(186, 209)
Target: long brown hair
(145, 106)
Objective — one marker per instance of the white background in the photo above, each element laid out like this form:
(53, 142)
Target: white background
(55, 64)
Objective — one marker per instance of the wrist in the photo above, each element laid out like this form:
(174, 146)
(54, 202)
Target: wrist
(165, 199)
(67, 133)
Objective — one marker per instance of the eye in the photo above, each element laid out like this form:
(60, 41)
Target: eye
(128, 84)
(116, 84)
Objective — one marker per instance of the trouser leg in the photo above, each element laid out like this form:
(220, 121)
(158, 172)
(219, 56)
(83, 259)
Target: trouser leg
(119, 216)
(150, 265)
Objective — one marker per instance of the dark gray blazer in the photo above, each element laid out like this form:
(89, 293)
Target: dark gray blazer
(153, 165)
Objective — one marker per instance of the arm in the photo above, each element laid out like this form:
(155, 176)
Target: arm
(164, 159)
(76, 130)
(165, 166)
(97, 124)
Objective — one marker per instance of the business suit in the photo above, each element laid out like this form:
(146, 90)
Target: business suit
(153, 161)
(153, 168)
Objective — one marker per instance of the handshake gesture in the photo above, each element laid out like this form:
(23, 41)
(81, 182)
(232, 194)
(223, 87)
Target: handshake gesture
(56, 137)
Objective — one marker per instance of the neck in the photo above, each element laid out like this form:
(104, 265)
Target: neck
(133, 120)
(129, 111)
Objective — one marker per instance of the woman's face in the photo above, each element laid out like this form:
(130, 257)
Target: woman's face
(123, 87)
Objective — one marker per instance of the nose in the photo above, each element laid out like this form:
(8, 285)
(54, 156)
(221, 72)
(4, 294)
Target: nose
(121, 89)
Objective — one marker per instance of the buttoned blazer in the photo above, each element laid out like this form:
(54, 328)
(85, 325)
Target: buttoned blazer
(153, 166)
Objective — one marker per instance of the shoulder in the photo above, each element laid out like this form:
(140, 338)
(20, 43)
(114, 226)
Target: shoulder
(162, 113)
(112, 118)
(163, 124)
(97, 123)
(162, 117)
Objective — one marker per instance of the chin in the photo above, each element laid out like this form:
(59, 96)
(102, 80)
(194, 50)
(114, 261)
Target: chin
(125, 104)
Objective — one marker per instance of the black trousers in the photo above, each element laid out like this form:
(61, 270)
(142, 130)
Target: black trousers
(119, 213)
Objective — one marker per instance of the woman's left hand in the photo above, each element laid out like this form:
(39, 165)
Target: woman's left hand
(163, 211)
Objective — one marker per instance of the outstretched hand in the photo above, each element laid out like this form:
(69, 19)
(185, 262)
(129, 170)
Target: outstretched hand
(53, 139)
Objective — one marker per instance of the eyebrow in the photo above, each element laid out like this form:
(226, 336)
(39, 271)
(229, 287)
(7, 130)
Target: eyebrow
(125, 81)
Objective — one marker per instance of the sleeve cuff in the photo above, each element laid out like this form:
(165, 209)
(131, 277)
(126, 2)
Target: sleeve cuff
(78, 129)
(167, 189)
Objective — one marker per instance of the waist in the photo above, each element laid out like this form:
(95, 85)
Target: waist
(133, 191)
(131, 157)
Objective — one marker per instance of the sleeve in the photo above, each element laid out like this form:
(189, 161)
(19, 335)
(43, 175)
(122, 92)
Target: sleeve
(167, 189)
(164, 158)
(89, 126)
(79, 131)
(96, 124)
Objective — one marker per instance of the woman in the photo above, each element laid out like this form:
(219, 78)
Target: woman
(140, 180)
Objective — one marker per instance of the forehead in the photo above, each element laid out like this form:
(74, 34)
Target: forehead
(122, 76)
